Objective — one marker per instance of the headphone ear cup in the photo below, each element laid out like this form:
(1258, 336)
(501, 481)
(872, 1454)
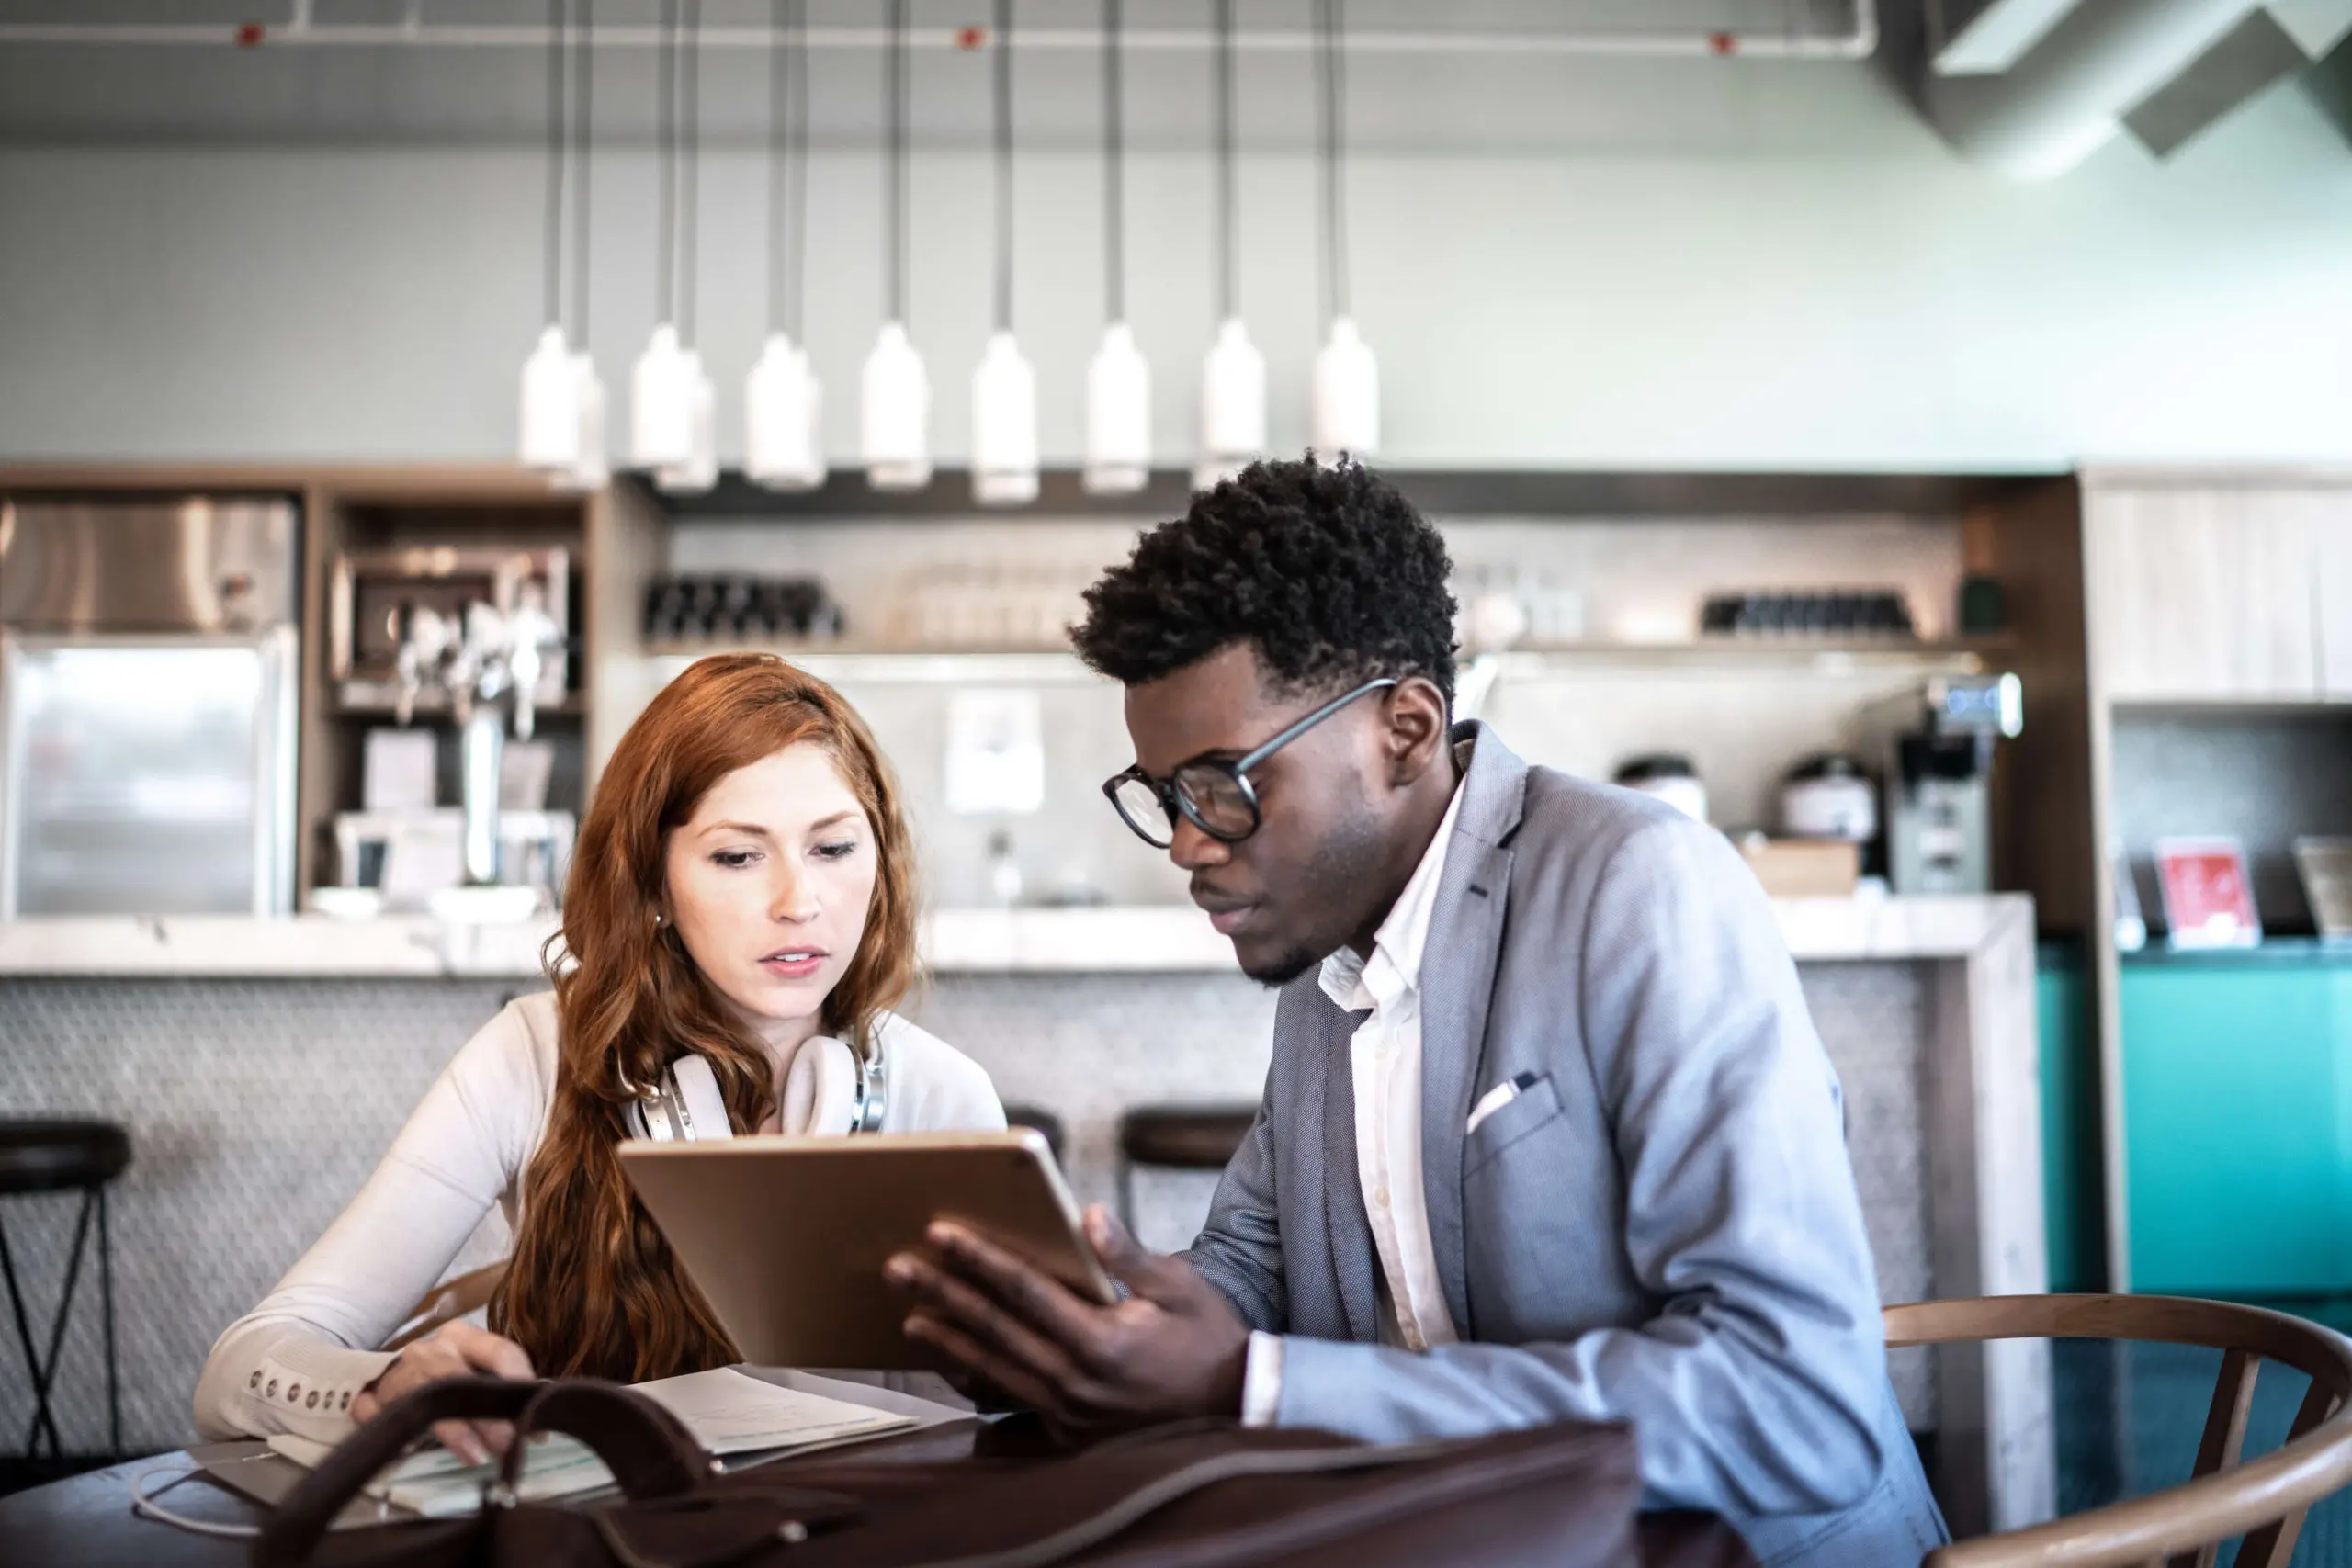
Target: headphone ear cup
(819, 1090)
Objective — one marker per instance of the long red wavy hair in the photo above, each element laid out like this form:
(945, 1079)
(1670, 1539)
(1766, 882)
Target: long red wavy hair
(592, 1289)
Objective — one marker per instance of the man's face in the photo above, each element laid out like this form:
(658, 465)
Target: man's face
(1306, 881)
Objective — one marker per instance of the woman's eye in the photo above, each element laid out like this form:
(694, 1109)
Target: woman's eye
(841, 851)
(735, 860)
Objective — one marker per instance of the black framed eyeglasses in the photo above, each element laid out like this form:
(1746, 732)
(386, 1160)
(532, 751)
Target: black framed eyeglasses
(1214, 796)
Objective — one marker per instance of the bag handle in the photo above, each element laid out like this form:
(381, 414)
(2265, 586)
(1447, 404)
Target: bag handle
(650, 1453)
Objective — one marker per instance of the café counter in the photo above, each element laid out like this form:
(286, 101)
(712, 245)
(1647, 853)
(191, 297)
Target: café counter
(262, 1067)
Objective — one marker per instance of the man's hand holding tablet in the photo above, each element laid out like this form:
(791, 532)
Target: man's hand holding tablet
(1173, 1347)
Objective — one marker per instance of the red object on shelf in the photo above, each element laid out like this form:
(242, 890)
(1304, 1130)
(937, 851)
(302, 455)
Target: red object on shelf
(2209, 902)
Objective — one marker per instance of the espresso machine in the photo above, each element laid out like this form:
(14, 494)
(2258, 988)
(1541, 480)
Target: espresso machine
(1936, 746)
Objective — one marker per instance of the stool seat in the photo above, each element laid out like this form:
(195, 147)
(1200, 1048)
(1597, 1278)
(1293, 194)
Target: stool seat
(45, 1154)
(1185, 1137)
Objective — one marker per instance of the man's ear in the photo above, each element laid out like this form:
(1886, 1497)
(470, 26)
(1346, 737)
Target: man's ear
(1418, 726)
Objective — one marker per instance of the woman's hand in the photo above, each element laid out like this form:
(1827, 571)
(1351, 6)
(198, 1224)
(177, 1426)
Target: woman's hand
(453, 1351)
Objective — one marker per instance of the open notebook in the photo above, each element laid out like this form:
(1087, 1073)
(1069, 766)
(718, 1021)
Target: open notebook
(729, 1412)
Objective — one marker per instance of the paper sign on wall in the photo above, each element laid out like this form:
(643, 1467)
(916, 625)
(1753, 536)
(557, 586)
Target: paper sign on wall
(996, 752)
(2209, 901)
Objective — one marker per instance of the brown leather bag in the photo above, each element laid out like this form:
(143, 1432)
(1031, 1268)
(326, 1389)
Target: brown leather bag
(1201, 1495)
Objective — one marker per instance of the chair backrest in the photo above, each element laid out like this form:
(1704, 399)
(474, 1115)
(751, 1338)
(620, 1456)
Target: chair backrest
(2184, 1526)
(449, 1300)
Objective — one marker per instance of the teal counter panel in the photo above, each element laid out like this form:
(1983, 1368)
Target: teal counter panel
(2238, 1117)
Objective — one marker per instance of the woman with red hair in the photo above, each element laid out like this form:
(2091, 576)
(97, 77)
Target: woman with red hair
(739, 922)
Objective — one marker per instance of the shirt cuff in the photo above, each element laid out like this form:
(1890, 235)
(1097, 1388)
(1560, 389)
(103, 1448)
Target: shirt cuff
(307, 1389)
(1261, 1379)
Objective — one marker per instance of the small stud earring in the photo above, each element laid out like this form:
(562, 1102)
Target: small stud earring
(657, 919)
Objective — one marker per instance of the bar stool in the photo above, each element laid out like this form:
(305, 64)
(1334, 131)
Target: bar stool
(56, 1156)
(1177, 1137)
(1038, 1120)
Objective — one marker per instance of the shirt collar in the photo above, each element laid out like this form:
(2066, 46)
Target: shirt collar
(1393, 970)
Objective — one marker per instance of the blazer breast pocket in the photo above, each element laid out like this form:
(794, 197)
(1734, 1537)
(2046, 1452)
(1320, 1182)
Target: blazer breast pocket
(1530, 1111)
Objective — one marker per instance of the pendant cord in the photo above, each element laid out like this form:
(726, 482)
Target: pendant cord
(582, 119)
(553, 282)
(690, 186)
(1114, 204)
(665, 136)
(788, 170)
(1228, 292)
(1330, 22)
(894, 86)
(1003, 131)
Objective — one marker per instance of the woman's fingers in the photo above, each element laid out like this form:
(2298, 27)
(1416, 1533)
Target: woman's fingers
(493, 1353)
(460, 1438)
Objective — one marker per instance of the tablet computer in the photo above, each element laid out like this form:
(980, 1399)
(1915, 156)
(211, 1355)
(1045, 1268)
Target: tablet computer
(785, 1237)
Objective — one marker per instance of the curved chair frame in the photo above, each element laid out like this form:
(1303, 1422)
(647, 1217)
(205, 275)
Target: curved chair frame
(2264, 1500)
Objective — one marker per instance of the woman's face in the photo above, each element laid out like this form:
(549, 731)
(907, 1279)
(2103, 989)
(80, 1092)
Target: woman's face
(769, 884)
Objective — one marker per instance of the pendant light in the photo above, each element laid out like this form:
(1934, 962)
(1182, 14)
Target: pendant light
(1004, 388)
(550, 406)
(897, 389)
(591, 469)
(783, 402)
(699, 469)
(1118, 381)
(1233, 380)
(1346, 415)
(661, 386)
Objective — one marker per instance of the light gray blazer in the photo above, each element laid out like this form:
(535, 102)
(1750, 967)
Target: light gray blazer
(1664, 1230)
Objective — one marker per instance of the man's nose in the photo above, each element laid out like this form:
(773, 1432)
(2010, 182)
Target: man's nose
(1193, 850)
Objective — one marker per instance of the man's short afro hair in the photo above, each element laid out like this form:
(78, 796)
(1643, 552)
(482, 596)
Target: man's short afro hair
(1327, 569)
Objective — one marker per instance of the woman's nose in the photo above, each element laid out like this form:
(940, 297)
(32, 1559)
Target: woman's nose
(792, 895)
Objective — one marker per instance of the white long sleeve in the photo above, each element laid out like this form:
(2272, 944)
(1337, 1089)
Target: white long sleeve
(295, 1362)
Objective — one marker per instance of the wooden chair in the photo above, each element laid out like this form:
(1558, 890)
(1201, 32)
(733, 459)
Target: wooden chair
(449, 1300)
(2183, 1526)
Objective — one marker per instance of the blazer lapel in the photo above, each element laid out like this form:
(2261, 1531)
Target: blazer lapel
(1352, 1258)
(1457, 980)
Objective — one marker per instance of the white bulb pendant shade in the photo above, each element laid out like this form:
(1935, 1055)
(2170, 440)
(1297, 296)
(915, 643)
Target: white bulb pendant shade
(592, 468)
(1233, 406)
(1118, 415)
(782, 407)
(662, 403)
(700, 471)
(1004, 425)
(897, 413)
(550, 435)
(1347, 395)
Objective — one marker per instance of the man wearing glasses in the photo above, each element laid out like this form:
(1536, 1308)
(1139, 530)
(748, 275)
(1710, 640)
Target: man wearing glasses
(1548, 1131)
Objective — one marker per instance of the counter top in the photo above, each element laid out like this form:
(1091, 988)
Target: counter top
(1156, 939)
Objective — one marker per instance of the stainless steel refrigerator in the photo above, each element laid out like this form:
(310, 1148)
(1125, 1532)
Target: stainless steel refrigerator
(149, 667)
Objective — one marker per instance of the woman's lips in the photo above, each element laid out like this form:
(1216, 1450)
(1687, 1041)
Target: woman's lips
(795, 963)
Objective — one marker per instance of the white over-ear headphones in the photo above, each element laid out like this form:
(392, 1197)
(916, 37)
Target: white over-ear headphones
(829, 1089)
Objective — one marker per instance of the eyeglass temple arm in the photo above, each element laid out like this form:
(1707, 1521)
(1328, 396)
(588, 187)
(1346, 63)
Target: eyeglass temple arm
(1309, 722)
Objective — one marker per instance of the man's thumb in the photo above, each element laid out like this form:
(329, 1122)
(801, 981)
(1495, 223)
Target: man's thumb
(1125, 1257)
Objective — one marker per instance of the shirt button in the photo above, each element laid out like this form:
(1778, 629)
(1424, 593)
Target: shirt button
(346, 1401)
(271, 1392)
(253, 1382)
(294, 1394)
(311, 1402)
(1381, 1197)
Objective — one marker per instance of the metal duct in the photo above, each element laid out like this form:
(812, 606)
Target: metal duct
(2068, 94)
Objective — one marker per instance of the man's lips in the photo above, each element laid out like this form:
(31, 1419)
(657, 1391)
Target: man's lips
(1225, 914)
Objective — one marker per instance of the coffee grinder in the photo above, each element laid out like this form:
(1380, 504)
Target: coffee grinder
(1938, 771)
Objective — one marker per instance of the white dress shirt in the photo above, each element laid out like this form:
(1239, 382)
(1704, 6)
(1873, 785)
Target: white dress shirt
(1385, 1066)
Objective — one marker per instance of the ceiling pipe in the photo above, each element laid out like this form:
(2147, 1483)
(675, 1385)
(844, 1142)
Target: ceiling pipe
(1856, 42)
(2068, 94)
